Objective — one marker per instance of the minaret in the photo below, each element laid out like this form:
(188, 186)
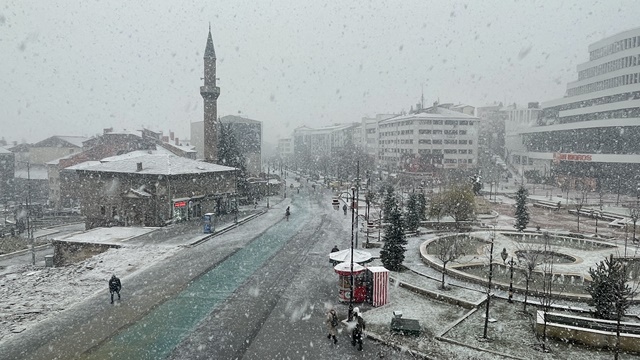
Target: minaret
(210, 93)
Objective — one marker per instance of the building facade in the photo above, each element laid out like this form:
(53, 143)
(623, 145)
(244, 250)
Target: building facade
(7, 173)
(142, 189)
(62, 191)
(591, 135)
(285, 148)
(325, 140)
(432, 139)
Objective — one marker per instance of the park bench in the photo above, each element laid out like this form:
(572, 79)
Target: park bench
(546, 205)
(404, 326)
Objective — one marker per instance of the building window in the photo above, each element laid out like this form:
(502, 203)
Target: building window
(103, 210)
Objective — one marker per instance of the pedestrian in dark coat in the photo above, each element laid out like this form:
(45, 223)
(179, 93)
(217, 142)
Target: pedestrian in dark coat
(358, 331)
(335, 248)
(114, 286)
(344, 208)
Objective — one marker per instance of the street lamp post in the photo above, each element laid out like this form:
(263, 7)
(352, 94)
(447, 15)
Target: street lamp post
(28, 206)
(353, 214)
(504, 256)
(486, 315)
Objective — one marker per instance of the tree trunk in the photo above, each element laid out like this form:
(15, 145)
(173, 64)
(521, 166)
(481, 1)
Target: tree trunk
(444, 270)
(526, 293)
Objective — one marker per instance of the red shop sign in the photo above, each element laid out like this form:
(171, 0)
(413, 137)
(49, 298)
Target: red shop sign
(180, 204)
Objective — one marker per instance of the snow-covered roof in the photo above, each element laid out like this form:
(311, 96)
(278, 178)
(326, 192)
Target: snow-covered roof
(359, 256)
(35, 172)
(61, 141)
(83, 165)
(154, 164)
(440, 113)
(4, 151)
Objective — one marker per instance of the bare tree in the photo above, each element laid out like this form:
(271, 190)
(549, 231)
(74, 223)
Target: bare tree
(581, 201)
(448, 250)
(547, 286)
(528, 259)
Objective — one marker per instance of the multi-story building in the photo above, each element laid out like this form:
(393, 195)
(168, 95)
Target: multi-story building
(7, 173)
(247, 132)
(518, 118)
(31, 177)
(591, 135)
(369, 133)
(325, 140)
(62, 189)
(492, 130)
(431, 139)
(285, 148)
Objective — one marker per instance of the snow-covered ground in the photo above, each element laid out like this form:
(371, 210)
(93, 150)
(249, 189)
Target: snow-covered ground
(30, 294)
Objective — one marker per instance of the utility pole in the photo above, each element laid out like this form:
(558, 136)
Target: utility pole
(486, 314)
(350, 314)
(355, 199)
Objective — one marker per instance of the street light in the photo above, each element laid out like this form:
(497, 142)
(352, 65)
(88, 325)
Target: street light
(28, 206)
(504, 254)
(486, 315)
(353, 214)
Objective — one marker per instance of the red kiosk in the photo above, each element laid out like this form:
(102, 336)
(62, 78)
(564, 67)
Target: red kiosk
(344, 282)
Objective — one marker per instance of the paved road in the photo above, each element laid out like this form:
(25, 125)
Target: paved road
(279, 312)
(197, 310)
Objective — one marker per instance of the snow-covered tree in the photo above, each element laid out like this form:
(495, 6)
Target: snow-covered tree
(412, 215)
(422, 206)
(609, 291)
(459, 203)
(389, 202)
(447, 250)
(392, 254)
(522, 213)
(229, 153)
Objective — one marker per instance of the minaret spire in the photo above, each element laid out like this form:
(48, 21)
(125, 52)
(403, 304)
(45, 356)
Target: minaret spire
(210, 93)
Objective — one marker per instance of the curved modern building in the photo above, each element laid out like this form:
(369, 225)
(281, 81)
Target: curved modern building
(592, 135)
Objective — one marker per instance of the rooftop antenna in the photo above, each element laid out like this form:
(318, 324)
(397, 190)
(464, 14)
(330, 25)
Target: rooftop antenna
(422, 98)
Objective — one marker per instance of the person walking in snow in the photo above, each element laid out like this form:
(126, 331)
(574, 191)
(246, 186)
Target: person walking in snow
(344, 208)
(335, 248)
(114, 286)
(332, 324)
(358, 331)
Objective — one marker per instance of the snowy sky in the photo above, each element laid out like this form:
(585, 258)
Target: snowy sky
(84, 66)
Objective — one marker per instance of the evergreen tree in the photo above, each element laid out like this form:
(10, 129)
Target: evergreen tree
(422, 207)
(522, 213)
(229, 153)
(610, 295)
(389, 202)
(412, 216)
(392, 254)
